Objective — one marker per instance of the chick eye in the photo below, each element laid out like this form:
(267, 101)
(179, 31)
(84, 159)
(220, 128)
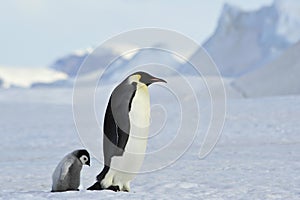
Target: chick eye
(84, 158)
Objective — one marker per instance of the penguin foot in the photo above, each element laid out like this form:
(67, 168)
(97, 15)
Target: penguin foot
(96, 186)
(114, 188)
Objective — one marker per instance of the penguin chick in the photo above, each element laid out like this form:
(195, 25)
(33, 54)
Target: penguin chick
(66, 175)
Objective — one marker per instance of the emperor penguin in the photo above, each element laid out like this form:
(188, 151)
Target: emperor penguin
(126, 127)
(66, 175)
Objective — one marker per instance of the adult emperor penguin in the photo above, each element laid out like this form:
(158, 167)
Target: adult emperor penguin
(66, 175)
(126, 127)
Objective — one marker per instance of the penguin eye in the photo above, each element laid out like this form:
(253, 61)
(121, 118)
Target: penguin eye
(84, 159)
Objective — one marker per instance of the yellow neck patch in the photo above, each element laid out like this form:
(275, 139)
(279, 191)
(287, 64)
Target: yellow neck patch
(135, 78)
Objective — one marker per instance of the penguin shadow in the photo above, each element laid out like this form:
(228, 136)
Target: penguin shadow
(60, 191)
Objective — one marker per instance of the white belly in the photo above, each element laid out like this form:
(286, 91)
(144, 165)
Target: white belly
(124, 168)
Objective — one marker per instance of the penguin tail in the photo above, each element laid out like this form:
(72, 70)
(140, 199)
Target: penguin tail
(96, 186)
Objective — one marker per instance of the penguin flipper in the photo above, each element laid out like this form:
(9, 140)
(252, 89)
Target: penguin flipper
(65, 168)
(122, 141)
(116, 121)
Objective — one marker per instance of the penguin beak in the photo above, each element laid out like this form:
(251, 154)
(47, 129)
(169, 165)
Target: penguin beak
(88, 164)
(154, 79)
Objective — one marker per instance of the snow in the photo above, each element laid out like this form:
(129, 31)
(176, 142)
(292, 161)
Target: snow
(289, 21)
(257, 156)
(83, 52)
(25, 77)
(119, 48)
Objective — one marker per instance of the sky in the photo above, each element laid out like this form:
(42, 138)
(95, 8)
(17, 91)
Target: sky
(34, 33)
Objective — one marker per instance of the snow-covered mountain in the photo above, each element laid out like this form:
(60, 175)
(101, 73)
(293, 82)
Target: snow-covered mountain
(120, 67)
(26, 77)
(71, 63)
(280, 77)
(160, 61)
(244, 41)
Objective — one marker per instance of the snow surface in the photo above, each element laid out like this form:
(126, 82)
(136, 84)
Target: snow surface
(257, 157)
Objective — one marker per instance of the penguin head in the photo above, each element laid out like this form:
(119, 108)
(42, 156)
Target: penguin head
(83, 155)
(144, 78)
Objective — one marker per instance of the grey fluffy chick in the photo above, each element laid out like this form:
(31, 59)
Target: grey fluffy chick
(66, 175)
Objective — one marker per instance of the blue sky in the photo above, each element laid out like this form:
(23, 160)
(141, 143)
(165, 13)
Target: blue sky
(36, 32)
